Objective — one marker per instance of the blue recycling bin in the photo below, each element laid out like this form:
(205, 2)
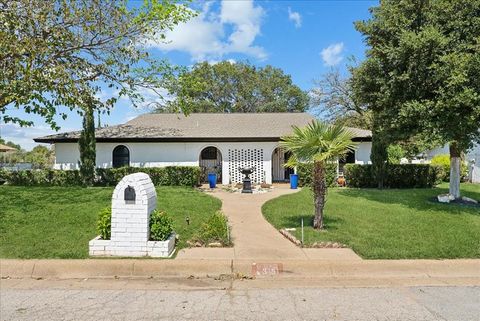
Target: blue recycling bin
(212, 180)
(293, 181)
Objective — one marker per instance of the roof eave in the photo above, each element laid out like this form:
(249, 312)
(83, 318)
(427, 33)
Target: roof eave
(51, 140)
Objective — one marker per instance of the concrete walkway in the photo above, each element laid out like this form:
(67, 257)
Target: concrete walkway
(254, 238)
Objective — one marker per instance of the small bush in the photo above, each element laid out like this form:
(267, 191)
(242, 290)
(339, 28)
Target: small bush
(214, 230)
(305, 174)
(398, 176)
(104, 223)
(443, 160)
(161, 226)
(395, 154)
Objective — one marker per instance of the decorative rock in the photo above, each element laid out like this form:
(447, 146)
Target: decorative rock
(445, 198)
(290, 237)
(469, 200)
(215, 244)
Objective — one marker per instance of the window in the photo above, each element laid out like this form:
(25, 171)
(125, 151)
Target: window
(121, 156)
(209, 153)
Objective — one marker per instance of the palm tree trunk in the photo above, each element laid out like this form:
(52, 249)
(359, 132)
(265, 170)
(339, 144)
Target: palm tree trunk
(319, 193)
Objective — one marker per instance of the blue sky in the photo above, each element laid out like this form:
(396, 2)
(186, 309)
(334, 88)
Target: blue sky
(304, 38)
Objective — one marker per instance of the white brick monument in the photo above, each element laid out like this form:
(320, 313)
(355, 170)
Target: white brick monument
(133, 200)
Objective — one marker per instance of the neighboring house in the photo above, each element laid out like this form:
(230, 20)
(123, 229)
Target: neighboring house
(6, 149)
(472, 157)
(220, 143)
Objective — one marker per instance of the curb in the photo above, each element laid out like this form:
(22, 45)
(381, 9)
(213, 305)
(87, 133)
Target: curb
(290, 273)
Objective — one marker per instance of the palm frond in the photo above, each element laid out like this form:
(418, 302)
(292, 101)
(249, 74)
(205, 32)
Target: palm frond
(318, 141)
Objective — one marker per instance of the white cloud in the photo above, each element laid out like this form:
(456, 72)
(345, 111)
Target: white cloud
(332, 55)
(24, 135)
(295, 17)
(204, 36)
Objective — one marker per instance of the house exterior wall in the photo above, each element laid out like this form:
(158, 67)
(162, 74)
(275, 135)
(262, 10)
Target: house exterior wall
(163, 154)
(181, 154)
(362, 153)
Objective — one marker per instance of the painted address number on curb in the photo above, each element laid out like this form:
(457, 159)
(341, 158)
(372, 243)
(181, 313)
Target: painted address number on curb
(263, 269)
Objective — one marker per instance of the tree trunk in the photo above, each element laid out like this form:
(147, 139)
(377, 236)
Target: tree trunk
(455, 168)
(379, 153)
(319, 193)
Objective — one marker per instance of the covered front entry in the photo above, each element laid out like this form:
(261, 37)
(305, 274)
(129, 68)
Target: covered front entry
(211, 162)
(280, 173)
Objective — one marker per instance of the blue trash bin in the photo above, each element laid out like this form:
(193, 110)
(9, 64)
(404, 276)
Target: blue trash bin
(212, 180)
(293, 181)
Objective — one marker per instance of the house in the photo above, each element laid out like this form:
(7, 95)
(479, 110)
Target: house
(220, 143)
(6, 149)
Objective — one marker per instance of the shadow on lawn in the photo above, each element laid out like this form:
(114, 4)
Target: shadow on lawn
(330, 223)
(418, 199)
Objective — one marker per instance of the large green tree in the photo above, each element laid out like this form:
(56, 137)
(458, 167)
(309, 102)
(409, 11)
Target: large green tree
(228, 87)
(318, 143)
(58, 54)
(421, 76)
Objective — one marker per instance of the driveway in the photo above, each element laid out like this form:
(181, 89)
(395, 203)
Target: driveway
(253, 237)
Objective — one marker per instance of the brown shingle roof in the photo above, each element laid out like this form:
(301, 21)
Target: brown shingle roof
(5, 148)
(195, 127)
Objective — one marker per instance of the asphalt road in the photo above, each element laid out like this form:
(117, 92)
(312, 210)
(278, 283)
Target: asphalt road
(138, 300)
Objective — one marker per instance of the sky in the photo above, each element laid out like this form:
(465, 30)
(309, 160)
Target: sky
(304, 38)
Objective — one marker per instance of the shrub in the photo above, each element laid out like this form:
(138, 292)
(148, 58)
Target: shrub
(104, 223)
(305, 174)
(443, 160)
(215, 229)
(161, 226)
(172, 175)
(397, 176)
(395, 154)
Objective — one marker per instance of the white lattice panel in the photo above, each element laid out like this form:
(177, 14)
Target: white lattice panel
(240, 158)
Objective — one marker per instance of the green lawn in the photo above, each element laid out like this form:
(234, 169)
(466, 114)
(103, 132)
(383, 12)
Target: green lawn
(386, 224)
(55, 222)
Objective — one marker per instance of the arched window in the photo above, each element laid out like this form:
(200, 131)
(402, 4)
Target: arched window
(121, 156)
(209, 153)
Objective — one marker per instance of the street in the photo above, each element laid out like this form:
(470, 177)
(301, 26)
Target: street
(223, 299)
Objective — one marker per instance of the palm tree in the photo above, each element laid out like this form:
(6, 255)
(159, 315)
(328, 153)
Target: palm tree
(318, 143)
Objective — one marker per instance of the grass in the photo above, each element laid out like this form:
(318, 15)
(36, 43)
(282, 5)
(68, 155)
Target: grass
(55, 222)
(386, 224)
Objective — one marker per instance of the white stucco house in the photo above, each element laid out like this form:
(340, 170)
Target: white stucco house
(220, 143)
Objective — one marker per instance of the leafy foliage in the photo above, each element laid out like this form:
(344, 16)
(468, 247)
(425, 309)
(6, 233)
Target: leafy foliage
(104, 223)
(41, 157)
(161, 226)
(420, 76)
(397, 176)
(395, 153)
(87, 147)
(58, 53)
(333, 98)
(166, 176)
(161, 176)
(318, 144)
(305, 174)
(443, 160)
(227, 87)
(215, 229)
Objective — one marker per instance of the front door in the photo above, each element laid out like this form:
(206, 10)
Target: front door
(211, 162)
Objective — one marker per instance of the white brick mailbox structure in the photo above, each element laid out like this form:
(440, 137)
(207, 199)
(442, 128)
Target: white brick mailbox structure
(133, 200)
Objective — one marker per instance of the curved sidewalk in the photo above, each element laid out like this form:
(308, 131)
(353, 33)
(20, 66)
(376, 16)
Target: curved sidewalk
(254, 238)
